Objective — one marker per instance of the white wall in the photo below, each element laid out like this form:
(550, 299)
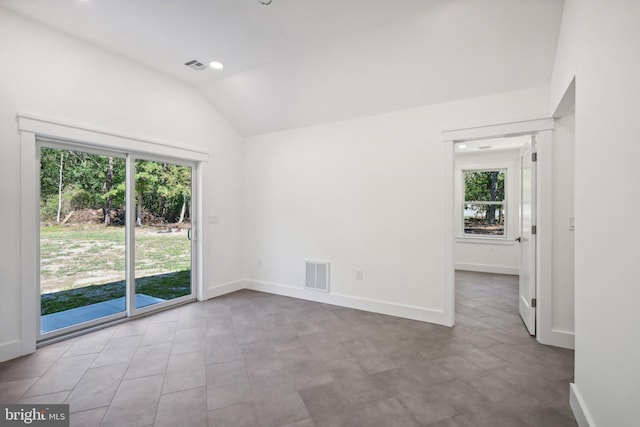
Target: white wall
(491, 255)
(364, 194)
(599, 46)
(53, 75)
(563, 151)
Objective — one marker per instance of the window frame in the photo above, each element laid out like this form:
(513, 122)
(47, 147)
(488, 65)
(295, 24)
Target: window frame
(32, 131)
(504, 203)
(500, 160)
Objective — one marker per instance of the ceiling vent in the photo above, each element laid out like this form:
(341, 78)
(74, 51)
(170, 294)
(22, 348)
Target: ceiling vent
(317, 276)
(196, 65)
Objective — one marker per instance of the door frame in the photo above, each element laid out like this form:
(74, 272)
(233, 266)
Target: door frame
(543, 129)
(32, 128)
(130, 225)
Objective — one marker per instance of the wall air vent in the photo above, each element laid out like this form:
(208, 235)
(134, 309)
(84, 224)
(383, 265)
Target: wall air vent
(317, 276)
(196, 65)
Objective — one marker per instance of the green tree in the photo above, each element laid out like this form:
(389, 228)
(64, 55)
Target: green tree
(148, 185)
(179, 187)
(113, 187)
(80, 180)
(77, 180)
(485, 186)
(51, 178)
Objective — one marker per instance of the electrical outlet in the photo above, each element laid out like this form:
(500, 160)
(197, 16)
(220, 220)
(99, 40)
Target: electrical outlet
(359, 274)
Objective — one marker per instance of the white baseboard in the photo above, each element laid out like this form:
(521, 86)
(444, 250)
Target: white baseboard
(579, 408)
(224, 288)
(485, 268)
(10, 350)
(563, 339)
(375, 306)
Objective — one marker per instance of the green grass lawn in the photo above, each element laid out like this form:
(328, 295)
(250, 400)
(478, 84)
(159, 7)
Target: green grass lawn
(82, 265)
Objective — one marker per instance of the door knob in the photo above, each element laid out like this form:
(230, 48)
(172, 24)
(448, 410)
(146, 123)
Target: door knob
(519, 239)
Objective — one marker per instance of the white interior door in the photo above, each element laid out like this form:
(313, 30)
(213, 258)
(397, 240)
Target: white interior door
(527, 239)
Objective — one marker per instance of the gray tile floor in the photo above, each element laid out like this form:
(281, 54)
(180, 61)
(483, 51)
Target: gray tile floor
(259, 360)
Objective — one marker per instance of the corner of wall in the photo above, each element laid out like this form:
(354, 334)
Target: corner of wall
(566, 104)
(10, 350)
(223, 289)
(563, 74)
(358, 303)
(579, 407)
(563, 339)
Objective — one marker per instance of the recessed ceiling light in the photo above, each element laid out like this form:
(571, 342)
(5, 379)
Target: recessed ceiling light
(216, 65)
(462, 146)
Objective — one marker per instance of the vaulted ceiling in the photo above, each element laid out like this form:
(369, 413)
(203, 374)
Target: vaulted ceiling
(301, 62)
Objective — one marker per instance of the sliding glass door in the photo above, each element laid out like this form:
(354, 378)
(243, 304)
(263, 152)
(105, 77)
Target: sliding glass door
(115, 236)
(82, 237)
(163, 237)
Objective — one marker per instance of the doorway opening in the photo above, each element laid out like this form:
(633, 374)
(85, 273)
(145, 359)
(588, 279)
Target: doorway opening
(495, 195)
(542, 129)
(115, 236)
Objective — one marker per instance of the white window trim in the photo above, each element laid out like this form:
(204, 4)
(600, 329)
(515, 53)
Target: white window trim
(31, 128)
(511, 190)
(92, 137)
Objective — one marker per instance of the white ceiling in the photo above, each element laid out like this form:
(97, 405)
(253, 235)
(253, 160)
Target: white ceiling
(490, 144)
(303, 62)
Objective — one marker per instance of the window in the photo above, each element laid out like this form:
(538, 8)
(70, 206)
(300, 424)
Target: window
(484, 207)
